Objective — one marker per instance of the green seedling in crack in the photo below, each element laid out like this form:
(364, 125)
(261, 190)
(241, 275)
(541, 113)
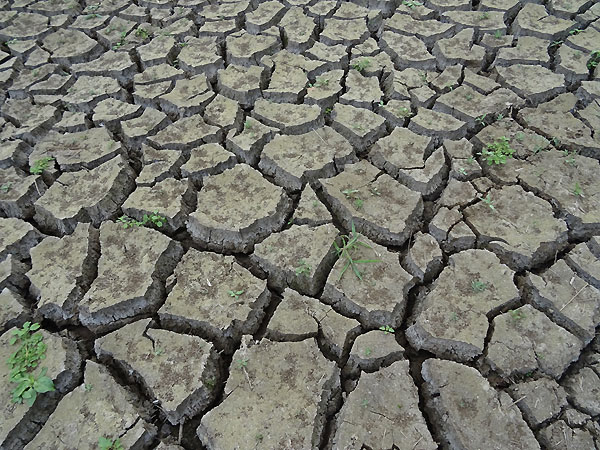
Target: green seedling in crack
(109, 444)
(304, 268)
(320, 82)
(235, 294)
(158, 351)
(153, 218)
(403, 112)
(24, 361)
(594, 60)
(462, 171)
(570, 158)
(497, 152)
(142, 33)
(498, 34)
(488, 201)
(242, 363)
(361, 65)
(478, 286)
(350, 243)
(387, 329)
(481, 120)
(5, 187)
(40, 165)
(578, 191)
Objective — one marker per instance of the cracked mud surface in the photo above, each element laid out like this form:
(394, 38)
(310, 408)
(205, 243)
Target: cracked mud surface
(262, 132)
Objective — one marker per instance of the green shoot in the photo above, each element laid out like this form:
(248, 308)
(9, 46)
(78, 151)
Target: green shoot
(304, 268)
(109, 444)
(26, 359)
(578, 191)
(361, 65)
(488, 201)
(478, 286)
(517, 315)
(153, 218)
(235, 294)
(594, 60)
(498, 152)
(349, 244)
(40, 165)
(387, 329)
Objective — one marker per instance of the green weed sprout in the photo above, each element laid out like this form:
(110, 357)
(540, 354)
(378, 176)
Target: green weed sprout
(109, 444)
(350, 243)
(153, 218)
(40, 165)
(498, 152)
(26, 359)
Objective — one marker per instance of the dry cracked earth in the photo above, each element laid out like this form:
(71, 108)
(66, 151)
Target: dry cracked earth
(262, 132)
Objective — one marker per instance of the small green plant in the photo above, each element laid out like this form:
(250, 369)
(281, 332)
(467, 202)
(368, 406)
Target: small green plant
(320, 82)
(361, 65)
(520, 136)
(235, 294)
(575, 31)
(26, 359)
(368, 351)
(158, 351)
(594, 60)
(570, 158)
(242, 363)
(403, 112)
(349, 244)
(488, 201)
(142, 33)
(109, 444)
(210, 384)
(259, 437)
(578, 191)
(5, 187)
(454, 317)
(411, 3)
(40, 165)
(499, 117)
(498, 152)
(328, 110)
(304, 268)
(462, 171)
(484, 16)
(498, 34)
(469, 97)
(352, 194)
(387, 329)
(153, 218)
(88, 387)
(556, 43)
(481, 120)
(517, 315)
(121, 42)
(478, 286)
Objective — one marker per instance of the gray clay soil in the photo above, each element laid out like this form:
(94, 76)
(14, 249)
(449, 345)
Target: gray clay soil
(261, 132)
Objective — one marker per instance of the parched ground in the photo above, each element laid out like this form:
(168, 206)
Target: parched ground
(261, 132)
